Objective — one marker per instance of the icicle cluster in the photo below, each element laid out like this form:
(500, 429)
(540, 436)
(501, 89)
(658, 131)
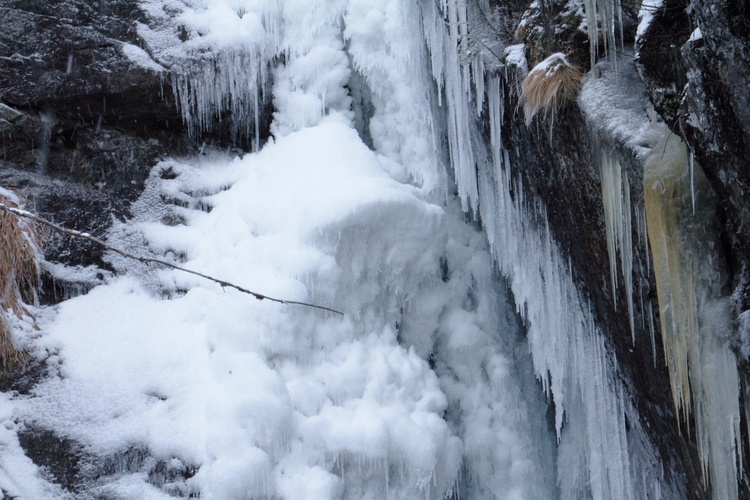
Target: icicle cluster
(619, 227)
(603, 18)
(445, 27)
(598, 455)
(217, 55)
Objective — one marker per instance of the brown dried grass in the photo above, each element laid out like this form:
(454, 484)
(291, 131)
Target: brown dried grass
(552, 84)
(19, 278)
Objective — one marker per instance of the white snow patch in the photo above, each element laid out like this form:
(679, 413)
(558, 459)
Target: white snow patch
(141, 58)
(646, 15)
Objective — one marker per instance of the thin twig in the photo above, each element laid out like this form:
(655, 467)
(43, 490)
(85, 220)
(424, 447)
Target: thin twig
(146, 260)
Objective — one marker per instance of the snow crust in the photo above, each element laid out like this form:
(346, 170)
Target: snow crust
(140, 57)
(616, 105)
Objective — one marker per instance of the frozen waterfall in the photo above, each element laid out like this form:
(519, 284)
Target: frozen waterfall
(465, 365)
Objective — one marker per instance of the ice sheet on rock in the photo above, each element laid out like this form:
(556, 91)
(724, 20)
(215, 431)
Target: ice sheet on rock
(69, 282)
(694, 311)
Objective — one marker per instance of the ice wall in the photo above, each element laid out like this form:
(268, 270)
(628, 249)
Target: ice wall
(599, 455)
(695, 314)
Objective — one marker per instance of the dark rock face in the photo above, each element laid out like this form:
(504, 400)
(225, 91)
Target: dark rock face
(60, 457)
(716, 121)
(81, 124)
(658, 59)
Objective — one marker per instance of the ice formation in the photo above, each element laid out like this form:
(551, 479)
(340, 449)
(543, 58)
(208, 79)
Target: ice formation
(619, 227)
(603, 19)
(218, 55)
(425, 388)
(677, 221)
(567, 349)
(414, 393)
(694, 308)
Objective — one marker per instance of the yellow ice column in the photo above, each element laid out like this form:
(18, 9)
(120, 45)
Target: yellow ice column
(664, 175)
(694, 310)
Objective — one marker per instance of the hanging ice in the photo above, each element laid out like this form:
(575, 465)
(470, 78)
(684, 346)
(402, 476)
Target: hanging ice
(250, 399)
(604, 18)
(218, 56)
(568, 351)
(617, 218)
(694, 310)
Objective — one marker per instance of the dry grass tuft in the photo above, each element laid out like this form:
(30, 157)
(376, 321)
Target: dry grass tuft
(19, 277)
(552, 84)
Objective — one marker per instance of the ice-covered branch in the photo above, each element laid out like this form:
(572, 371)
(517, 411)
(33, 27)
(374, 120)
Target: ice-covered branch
(148, 260)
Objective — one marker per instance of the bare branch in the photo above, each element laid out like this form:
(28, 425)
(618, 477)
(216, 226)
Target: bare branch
(148, 260)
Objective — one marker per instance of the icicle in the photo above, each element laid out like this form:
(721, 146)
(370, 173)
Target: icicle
(691, 160)
(455, 78)
(478, 67)
(617, 218)
(609, 21)
(652, 330)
